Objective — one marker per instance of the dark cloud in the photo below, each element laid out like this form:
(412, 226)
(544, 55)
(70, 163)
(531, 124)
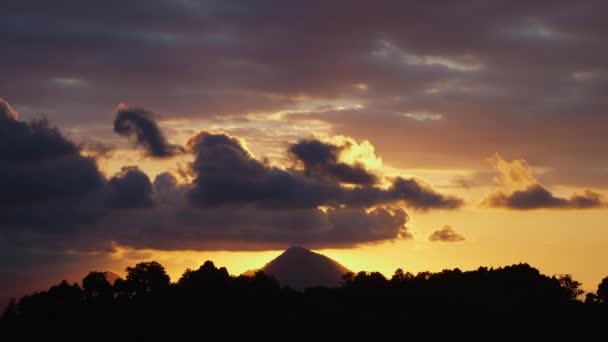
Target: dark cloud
(45, 181)
(537, 197)
(130, 188)
(320, 160)
(420, 196)
(55, 199)
(227, 174)
(249, 227)
(7, 112)
(445, 234)
(33, 141)
(237, 201)
(176, 224)
(141, 125)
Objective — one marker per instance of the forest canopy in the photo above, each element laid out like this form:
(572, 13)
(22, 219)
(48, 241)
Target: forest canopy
(221, 305)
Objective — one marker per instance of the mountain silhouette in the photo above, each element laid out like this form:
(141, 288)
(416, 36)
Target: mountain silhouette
(300, 268)
(111, 277)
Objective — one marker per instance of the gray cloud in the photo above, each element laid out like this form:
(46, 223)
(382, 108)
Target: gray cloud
(141, 125)
(420, 196)
(445, 234)
(55, 199)
(537, 197)
(45, 181)
(227, 174)
(176, 224)
(130, 188)
(320, 160)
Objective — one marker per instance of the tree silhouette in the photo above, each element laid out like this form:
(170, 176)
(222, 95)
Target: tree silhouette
(122, 289)
(602, 291)
(260, 281)
(96, 286)
(591, 298)
(59, 300)
(10, 312)
(571, 286)
(205, 278)
(146, 278)
(366, 305)
(400, 277)
(364, 280)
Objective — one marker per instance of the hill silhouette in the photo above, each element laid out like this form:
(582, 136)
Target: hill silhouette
(111, 277)
(300, 268)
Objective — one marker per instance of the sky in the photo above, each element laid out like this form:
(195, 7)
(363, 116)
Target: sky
(386, 134)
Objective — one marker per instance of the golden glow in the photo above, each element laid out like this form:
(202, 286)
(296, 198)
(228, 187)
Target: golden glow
(553, 241)
(545, 239)
(152, 167)
(176, 262)
(361, 86)
(357, 152)
(515, 174)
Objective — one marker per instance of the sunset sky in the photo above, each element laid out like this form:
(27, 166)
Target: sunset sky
(385, 134)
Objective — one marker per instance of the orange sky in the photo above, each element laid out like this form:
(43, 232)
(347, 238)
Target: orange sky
(547, 239)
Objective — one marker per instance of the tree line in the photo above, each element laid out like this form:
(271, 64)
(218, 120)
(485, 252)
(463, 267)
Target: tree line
(367, 304)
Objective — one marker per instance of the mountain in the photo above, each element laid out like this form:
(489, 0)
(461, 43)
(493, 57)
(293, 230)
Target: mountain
(300, 268)
(111, 277)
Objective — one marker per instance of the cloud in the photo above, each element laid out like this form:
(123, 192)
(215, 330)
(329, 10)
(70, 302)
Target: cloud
(130, 188)
(481, 178)
(96, 148)
(7, 112)
(513, 174)
(528, 193)
(445, 234)
(141, 124)
(55, 199)
(175, 224)
(57, 202)
(537, 197)
(421, 196)
(225, 173)
(45, 181)
(320, 160)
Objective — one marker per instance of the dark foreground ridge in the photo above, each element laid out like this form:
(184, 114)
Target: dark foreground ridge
(209, 303)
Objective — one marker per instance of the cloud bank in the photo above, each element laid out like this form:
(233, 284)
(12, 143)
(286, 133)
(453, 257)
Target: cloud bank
(57, 199)
(537, 197)
(528, 194)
